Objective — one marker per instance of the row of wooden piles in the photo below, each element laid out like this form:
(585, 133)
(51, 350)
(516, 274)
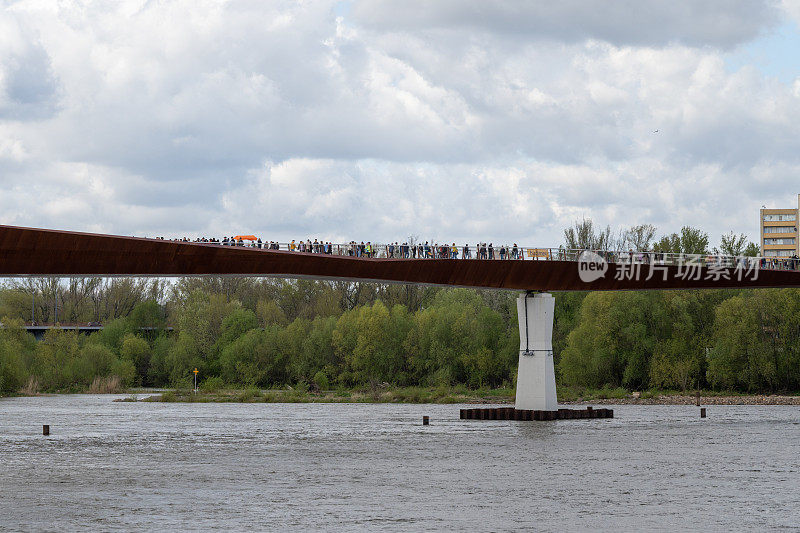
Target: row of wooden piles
(510, 413)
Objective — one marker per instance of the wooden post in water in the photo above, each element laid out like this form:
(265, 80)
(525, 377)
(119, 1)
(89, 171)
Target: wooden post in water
(45, 429)
(702, 412)
(425, 420)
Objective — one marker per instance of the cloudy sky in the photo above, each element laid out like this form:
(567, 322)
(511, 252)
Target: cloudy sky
(375, 120)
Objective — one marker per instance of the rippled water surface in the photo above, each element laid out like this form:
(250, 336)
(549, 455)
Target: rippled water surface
(148, 466)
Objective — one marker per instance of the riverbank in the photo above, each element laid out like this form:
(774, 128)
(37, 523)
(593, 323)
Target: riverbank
(459, 395)
(682, 399)
(438, 395)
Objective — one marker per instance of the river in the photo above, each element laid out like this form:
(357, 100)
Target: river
(292, 467)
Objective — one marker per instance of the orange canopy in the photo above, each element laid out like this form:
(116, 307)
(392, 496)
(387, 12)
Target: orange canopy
(246, 237)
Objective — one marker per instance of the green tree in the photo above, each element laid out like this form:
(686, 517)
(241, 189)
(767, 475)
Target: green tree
(316, 353)
(370, 340)
(613, 342)
(200, 321)
(96, 360)
(54, 360)
(689, 241)
(114, 332)
(732, 244)
(137, 351)
(254, 359)
(752, 250)
(583, 235)
(638, 238)
(147, 315)
(160, 361)
(15, 304)
(270, 314)
(236, 324)
(565, 319)
(678, 355)
(183, 357)
(458, 339)
(12, 366)
(125, 370)
(754, 345)
(733, 362)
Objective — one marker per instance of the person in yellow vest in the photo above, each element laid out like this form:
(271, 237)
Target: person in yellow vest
(292, 246)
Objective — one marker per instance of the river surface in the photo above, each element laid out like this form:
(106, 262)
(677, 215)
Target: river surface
(296, 467)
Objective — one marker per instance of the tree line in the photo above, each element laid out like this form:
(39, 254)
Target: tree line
(265, 332)
(586, 235)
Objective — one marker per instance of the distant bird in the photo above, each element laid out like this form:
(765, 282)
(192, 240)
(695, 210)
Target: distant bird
(655, 131)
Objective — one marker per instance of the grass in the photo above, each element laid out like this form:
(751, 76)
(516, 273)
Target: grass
(443, 395)
(586, 394)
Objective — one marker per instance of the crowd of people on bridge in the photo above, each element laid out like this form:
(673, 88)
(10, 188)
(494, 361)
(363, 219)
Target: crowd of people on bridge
(367, 249)
(434, 250)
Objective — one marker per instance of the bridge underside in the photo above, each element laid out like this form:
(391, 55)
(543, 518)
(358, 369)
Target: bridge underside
(41, 252)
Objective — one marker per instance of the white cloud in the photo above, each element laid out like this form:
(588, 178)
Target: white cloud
(792, 9)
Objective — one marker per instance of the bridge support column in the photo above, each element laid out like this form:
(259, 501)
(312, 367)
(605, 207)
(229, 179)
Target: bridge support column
(536, 379)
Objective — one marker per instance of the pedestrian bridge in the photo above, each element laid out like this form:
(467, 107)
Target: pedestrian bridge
(43, 252)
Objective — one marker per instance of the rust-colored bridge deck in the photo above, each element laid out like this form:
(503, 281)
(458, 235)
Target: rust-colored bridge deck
(41, 252)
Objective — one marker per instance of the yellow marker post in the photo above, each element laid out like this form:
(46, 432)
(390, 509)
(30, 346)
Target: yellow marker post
(195, 380)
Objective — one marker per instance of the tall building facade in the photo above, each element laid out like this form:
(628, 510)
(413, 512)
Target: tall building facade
(779, 236)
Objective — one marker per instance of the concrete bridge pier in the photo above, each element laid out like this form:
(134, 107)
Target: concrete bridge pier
(536, 379)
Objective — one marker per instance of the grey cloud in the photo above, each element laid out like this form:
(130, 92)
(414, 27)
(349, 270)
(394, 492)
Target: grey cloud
(28, 87)
(621, 22)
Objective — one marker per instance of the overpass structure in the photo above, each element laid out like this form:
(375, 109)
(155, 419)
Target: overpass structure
(42, 252)
(39, 330)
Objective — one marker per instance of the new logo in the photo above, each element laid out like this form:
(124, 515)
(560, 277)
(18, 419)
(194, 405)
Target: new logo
(591, 266)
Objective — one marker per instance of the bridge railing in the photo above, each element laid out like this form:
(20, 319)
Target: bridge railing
(521, 253)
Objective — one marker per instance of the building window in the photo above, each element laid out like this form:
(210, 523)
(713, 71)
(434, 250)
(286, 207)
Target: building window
(778, 253)
(780, 229)
(780, 218)
(785, 240)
